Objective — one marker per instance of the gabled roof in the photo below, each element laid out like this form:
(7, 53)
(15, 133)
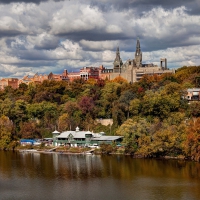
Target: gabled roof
(107, 138)
(81, 134)
(193, 89)
(76, 134)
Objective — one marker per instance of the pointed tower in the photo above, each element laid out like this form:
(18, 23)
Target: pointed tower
(138, 55)
(117, 62)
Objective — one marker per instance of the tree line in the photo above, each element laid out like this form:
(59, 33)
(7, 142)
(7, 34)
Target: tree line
(151, 114)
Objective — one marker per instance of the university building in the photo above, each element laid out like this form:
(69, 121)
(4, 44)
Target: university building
(132, 70)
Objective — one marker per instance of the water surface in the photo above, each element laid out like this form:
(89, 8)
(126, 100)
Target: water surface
(59, 176)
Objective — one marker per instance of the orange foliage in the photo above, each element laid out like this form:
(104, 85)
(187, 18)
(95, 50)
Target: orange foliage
(91, 81)
(192, 143)
(119, 80)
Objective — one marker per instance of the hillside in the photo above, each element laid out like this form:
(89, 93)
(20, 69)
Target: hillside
(151, 114)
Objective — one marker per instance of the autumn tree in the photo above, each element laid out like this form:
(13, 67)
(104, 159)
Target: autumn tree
(86, 105)
(6, 127)
(188, 74)
(75, 115)
(135, 107)
(29, 130)
(63, 122)
(160, 104)
(109, 95)
(132, 130)
(120, 80)
(194, 109)
(192, 142)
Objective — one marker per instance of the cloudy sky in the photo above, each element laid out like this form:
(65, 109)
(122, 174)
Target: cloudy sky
(52, 35)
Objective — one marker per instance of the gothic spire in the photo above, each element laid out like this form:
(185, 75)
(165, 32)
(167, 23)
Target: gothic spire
(138, 44)
(117, 62)
(117, 54)
(138, 54)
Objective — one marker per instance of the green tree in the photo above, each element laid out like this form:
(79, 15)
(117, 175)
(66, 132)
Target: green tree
(109, 95)
(135, 107)
(19, 113)
(125, 99)
(132, 129)
(6, 106)
(160, 104)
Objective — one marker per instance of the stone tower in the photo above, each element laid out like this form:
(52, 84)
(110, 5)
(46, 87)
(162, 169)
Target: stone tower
(138, 55)
(117, 62)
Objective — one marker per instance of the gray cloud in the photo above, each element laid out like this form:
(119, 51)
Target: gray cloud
(143, 5)
(24, 1)
(44, 36)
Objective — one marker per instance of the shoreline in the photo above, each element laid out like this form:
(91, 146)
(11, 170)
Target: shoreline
(52, 152)
(180, 157)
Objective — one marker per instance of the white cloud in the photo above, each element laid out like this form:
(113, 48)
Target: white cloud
(43, 41)
(108, 56)
(113, 29)
(100, 45)
(162, 24)
(7, 23)
(77, 18)
(176, 57)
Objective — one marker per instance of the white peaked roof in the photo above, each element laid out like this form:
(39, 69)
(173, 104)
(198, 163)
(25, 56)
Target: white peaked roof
(193, 89)
(76, 134)
(56, 132)
(81, 134)
(107, 138)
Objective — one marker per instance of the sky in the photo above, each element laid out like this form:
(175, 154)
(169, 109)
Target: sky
(43, 36)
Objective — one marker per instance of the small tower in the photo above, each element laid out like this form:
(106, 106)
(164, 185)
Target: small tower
(117, 62)
(163, 60)
(138, 55)
(55, 134)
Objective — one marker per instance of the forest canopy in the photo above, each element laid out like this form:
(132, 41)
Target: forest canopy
(151, 114)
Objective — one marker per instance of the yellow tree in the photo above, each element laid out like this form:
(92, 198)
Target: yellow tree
(63, 122)
(91, 81)
(6, 127)
(119, 80)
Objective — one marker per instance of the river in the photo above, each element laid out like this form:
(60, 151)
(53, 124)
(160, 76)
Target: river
(52, 176)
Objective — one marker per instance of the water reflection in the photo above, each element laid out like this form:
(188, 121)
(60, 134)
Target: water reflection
(96, 177)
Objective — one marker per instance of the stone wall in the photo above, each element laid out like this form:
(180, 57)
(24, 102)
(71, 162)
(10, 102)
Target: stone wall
(105, 122)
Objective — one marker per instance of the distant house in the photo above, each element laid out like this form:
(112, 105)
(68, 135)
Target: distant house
(193, 94)
(83, 138)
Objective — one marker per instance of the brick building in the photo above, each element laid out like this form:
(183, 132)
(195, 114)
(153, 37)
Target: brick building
(13, 82)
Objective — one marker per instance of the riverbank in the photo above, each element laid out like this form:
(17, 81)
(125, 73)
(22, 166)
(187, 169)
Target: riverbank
(51, 149)
(89, 151)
